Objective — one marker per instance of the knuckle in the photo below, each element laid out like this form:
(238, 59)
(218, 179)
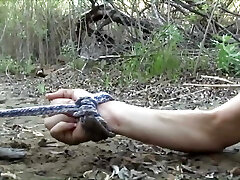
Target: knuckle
(47, 123)
(52, 133)
(55, 135)
(62, 89)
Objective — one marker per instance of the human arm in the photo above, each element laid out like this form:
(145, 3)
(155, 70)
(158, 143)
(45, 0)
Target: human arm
(184, 130)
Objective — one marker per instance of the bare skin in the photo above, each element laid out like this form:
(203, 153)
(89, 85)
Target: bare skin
(183, 130)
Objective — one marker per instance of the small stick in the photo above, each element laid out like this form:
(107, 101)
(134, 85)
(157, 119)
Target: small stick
(217, 78)
(204, 39)
(214, 85)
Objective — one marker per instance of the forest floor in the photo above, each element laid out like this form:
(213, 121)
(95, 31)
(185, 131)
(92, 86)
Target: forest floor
(116, 158)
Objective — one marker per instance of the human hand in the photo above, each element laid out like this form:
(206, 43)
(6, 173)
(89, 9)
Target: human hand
(62, 127)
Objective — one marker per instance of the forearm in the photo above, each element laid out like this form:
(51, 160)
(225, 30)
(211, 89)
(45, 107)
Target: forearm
(179, 130)
(228, 120)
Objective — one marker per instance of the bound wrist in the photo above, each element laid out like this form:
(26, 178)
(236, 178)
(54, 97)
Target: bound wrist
(110, 113)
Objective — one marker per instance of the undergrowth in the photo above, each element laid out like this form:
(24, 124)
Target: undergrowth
(228, 59)
(157, 57)
(9, 65)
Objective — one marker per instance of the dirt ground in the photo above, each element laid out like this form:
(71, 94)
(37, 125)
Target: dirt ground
(116, 158)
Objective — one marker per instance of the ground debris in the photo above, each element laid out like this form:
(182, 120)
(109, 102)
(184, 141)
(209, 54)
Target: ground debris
(235, 171)
(119, 157)
(8, 175)
(12, 153)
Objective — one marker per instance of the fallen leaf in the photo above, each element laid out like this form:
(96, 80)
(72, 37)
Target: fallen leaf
(235, 171)
(38, 134)
(188, 169)
(96, 175)
(124, 173)
(9, 175)
(115, 171)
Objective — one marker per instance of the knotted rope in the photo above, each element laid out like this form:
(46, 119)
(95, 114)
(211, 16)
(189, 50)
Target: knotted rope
(84, 108)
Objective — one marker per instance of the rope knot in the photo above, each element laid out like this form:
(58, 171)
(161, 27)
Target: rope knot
(92, 122)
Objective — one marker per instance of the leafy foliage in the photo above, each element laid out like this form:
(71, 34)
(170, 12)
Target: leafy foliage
(156, 58)
(7, 64)
(35, 29)
(41, 88)
(38, 32)
(228, 58)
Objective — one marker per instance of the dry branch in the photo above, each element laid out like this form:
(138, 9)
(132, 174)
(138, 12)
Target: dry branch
(107, 57)
(92, 22)
(204, 38)
(229, 12)
(214, 85)
(217, 78)
(189, 8)
(106, 14)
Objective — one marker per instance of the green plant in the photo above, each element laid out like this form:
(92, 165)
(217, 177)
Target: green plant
(69, 53)
(228, 59)
(26, 66)
(36, 28)
(165, 61)
(77, 63)
(69, 50)
(7, 64)
(41, 88)
(106, 80)
(156, 57)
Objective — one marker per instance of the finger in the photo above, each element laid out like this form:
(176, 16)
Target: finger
(62, 101)
(61, 93)
(79, 134)
(68, 93)
(63, 131)
(51, 121)
(78, 93)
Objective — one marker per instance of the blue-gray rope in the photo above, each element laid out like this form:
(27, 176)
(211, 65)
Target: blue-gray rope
(84, 108)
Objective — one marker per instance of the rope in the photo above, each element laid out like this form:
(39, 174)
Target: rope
(84, 108)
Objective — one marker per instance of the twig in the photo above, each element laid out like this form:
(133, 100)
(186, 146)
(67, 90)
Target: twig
(226, 30)
(214, 85)
(3, 32)
(7, 74)
(93, 3)
(227, 11)
(217, 78)
(109, 57)
(186, 6)
(204, 38)
(160, 20)
(168, 12)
